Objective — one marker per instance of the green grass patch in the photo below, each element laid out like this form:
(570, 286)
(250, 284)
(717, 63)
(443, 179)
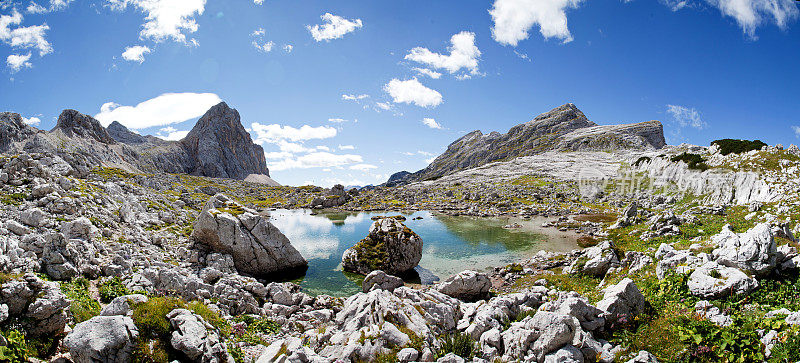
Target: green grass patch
(82, 306)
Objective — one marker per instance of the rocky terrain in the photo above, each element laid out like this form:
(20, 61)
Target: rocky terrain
(564, 128)
(218, 146)
(688, 254)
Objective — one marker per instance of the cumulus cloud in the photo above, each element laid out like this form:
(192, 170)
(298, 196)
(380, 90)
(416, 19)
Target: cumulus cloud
(333, 27)
(16, 62)
(363, 167)
(686, 117)
(172, 134)
(259, 42)
(166, 109)
(33, 121)
(796, 130)
(288, 48)
(347, 147)
(463, 55)
(749, 14)
(514, 18)
(320, 159)
(258, 2)
(431, 123)
(55, 5)
(165, 19)
(354, 97)
(24, 36)
(427, 72)
(412, 92)
(274, 133)
(135, 53)
(337, 120)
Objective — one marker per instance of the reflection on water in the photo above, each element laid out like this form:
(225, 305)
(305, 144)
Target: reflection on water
(450, 244)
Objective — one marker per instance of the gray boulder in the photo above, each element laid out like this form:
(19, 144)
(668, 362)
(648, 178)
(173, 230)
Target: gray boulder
(102, 339)
(40, 304)
(643, 357)
(390, 246)
(466, 285)
(714, 281)
(596, 260)
(196, 338)
(622, 302)
(257, 247)
(380, 280)
(123, 305)
(752, 251)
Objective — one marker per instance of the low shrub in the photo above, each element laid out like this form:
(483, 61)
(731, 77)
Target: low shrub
(111, 289)
(16, 349)
(733, 146)
(695, 161)
(82, 306)
(460, 344)
(150, 317)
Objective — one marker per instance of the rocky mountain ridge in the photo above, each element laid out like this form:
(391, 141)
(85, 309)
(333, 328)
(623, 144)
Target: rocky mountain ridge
(564, 128)
(218, 146)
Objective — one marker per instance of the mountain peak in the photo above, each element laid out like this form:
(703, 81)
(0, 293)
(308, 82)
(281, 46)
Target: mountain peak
(222, 146)
(122, 134)
(75, 124)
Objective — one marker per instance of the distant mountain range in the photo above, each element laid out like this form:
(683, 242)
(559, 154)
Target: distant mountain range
(218, 146)
(564, 128)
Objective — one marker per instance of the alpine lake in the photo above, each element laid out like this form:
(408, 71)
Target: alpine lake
(451, 244)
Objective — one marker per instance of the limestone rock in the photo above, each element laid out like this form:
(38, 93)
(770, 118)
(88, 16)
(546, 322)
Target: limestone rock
(380, 280)
(753, 251)
(714, 281)
(123, 305)
(196, 338)
(622, 302)
(390, 246)
(257, 247)
(466, 285)
(102, 339)
(41, 304)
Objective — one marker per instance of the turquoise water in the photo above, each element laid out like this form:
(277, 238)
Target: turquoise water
(450, 244)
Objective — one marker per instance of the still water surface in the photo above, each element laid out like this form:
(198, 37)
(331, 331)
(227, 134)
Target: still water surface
(450, 244)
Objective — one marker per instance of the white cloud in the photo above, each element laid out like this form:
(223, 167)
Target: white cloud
(431, 123)
(316, 160)
(24, 36)
(749, 14)
(337, 120)
(796, 130)
(33, 121)
(259, 42)
(258, 2)
(288, 48)
(354, 97)
(55, 5)
(171, 133)
(427, 72)
(386, 106)
(16, 62)
(333, 27)
(347, 147)
(275, 133)
(135, 53)
(363, 167)
(684, 116)
(412, 92)
(463, 55)
(166, 109)
(514, 18)
(430, 160)
(165, 19)
(522, 56)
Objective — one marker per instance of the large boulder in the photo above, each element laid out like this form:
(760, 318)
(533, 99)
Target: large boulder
(380, 280)
(40, 305)
(102, 339)
(622, 302)
(595, 260)
(195, 337)
(753, 251)
(257, 247)
(390, 246)
(715, 281)
(467, 285)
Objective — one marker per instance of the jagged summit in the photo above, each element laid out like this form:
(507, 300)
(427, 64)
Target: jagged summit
(75, 124)
(222, 147)
(562, 128)
(218, 146)
(122, 134)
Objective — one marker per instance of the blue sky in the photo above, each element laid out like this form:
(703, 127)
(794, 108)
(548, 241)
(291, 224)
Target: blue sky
(349, 97)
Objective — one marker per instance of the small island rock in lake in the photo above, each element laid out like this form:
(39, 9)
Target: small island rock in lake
(390, 246)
